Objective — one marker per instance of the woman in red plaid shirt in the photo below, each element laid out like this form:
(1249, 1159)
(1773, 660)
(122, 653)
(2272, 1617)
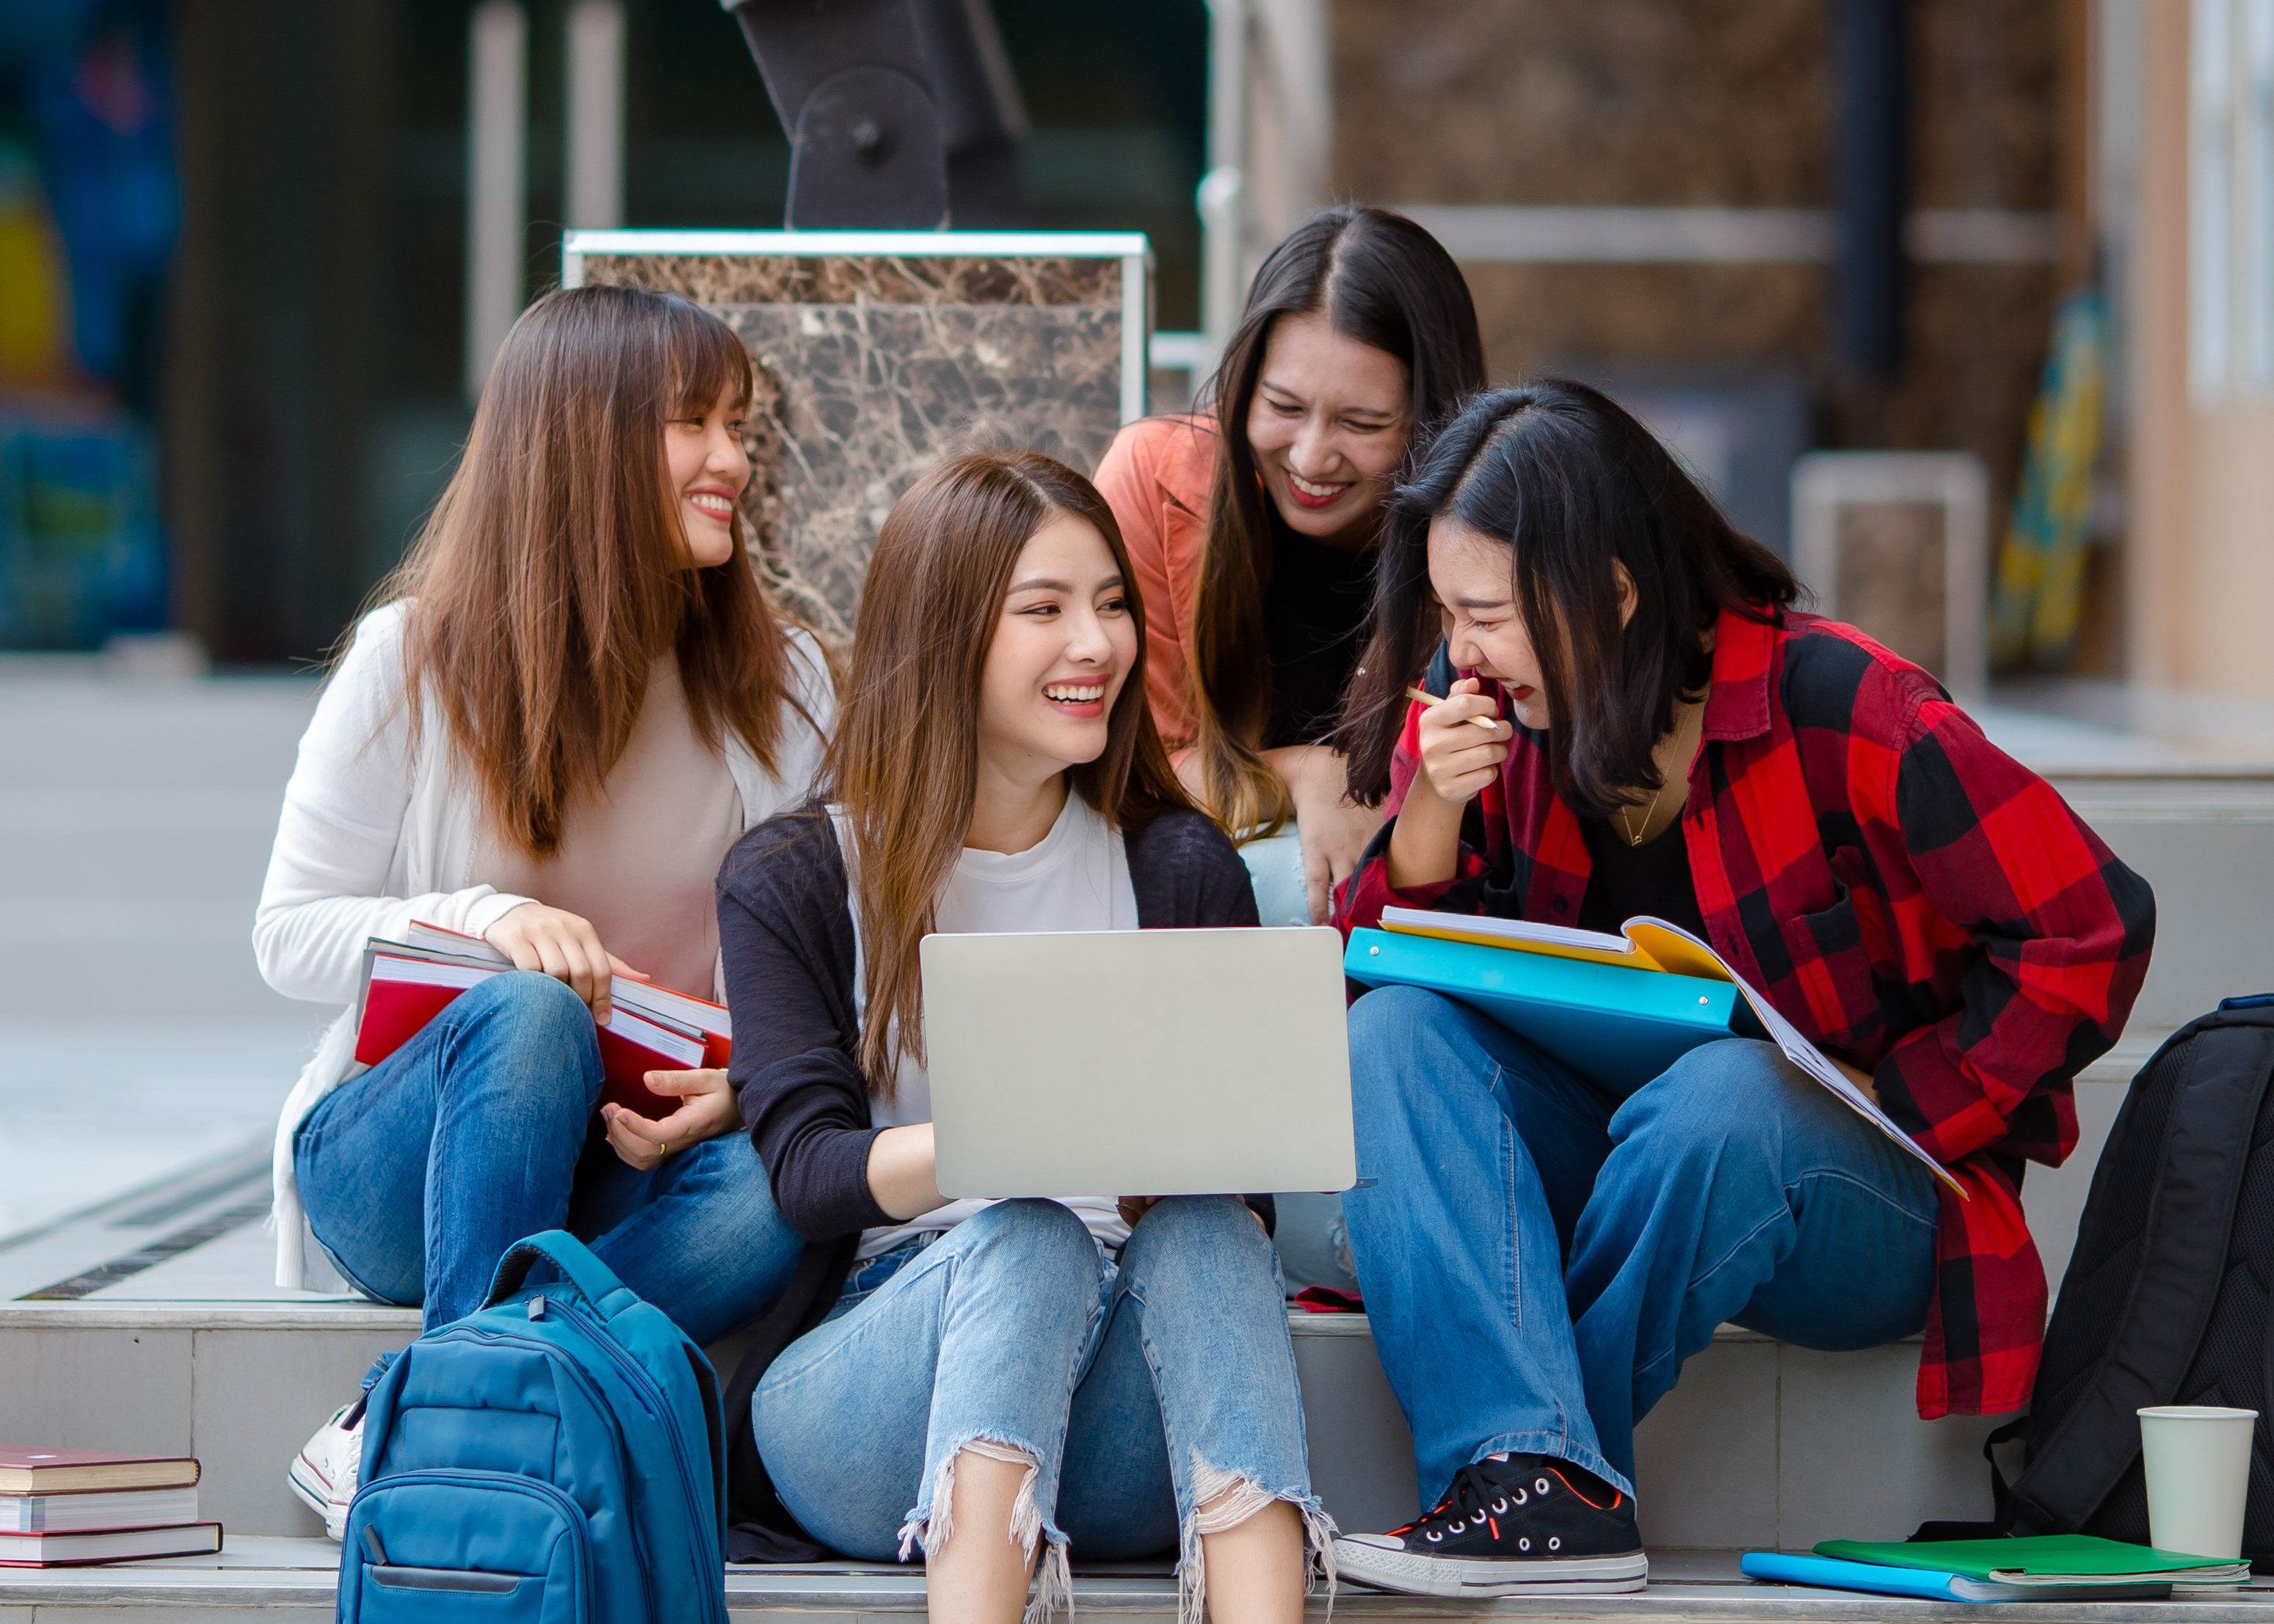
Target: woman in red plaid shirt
(1539, 1252)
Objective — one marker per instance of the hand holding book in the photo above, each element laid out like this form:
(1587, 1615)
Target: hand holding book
(563, 946)
(651, 1030)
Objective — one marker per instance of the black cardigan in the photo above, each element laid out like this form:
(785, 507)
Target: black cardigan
(786, 938)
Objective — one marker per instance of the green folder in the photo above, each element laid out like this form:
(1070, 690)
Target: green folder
(2065, 1555)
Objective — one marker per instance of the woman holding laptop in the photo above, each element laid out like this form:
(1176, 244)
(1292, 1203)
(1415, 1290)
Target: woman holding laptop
(989, 1382)
(573, 700)
(1663, 734)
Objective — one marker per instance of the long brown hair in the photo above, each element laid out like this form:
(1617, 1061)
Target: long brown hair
(1387, 283)
(554, 572)
(905, 761)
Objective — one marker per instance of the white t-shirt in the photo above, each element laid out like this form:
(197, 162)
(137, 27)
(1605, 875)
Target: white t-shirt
(1075, 878)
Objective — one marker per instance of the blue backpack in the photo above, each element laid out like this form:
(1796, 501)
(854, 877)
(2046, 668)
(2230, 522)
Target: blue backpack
(557, 1457)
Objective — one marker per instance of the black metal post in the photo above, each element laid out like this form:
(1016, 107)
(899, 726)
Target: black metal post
(847, 78)
(1873, 181)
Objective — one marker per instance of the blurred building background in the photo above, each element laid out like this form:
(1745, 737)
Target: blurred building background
(1975, 296)
(237, 239)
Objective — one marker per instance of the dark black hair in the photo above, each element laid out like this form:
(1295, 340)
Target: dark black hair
(1386, 282)
(1573, 484)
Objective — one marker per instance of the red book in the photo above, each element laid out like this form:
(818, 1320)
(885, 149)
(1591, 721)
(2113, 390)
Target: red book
(406, 985)
(683, 1009)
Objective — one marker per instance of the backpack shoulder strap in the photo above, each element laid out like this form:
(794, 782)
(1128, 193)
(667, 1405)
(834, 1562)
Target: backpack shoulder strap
(607, 1295)
(2224, 1061)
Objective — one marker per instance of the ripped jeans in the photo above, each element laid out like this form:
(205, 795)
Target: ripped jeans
(1136, 1395)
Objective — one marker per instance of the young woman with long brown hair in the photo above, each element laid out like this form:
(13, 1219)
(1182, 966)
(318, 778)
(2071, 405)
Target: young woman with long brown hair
(1253, 524)
(572, 702)
(991, 1381)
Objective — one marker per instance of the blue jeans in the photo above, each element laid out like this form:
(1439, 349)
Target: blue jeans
(1135, 1395)
(1274, 869)
(417, 1175)
(1539, 1256)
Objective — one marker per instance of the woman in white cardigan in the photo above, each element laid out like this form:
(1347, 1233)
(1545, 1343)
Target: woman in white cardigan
(574, 702)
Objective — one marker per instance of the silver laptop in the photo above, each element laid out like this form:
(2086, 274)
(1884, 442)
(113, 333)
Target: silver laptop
(1139, 1062)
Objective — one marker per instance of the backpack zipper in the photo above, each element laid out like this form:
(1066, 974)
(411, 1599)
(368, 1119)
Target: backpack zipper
(579, 1525)
(651, 1396)
(638, 1374)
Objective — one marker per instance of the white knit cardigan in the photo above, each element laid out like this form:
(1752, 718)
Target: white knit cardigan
(371, 839)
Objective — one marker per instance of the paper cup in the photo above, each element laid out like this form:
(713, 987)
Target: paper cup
(2197, 1462)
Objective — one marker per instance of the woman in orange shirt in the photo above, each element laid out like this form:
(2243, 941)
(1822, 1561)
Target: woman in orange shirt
(1254, 549)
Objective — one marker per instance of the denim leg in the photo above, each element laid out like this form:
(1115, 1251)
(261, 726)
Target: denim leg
(419, 1175)
(1482, 1151)
(975, 1343)
(1193, 1370)
(1738, 1189)
(1314, 1242)
(698, 1235)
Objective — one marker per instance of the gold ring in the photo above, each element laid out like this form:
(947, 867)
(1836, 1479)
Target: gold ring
(666, 1148)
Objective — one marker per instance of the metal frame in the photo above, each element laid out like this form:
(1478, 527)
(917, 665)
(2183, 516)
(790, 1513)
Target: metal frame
(1824, 482)
(1131, 248)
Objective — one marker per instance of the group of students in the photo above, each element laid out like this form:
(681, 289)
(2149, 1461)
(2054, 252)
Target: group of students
(578, 728)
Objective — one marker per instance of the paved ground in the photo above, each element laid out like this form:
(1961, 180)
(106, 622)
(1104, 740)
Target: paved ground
(136, 1038)
(274, 1574)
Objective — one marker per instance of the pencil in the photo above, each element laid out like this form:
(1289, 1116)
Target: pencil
(1422, 695)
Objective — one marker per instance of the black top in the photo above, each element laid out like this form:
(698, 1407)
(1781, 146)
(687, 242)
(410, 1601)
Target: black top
(1652, 878)
(1314, 618)
(786, 939)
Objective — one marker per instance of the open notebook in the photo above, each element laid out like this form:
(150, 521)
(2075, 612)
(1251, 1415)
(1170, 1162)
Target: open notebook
(1633, 1002)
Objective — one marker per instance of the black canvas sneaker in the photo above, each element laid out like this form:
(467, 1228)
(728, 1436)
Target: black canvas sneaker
(1513, 1525)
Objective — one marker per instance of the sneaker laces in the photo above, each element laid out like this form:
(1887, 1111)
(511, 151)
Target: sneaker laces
(1473, 1498)
(1478, 1499)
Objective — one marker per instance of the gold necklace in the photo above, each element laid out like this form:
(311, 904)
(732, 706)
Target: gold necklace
(1626, 822)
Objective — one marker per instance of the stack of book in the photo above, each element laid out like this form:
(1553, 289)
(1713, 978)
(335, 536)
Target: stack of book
(406, 984)
(63, 1507)
(2049, 1567)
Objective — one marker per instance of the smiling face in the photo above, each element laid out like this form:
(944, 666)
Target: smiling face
(1473, 577)
(706, 468)
(1063, 647)
(1327, 426)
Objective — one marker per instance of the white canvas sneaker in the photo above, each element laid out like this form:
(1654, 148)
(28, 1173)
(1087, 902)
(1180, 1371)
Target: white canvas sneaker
(324, 1473)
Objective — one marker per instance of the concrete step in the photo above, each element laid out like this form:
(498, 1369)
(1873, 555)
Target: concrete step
(147, 1324)
(266, 1579)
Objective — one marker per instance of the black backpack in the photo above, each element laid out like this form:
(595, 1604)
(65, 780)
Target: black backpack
(2166, 1296)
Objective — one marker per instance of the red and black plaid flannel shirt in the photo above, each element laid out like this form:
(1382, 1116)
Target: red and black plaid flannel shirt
(1908, 895)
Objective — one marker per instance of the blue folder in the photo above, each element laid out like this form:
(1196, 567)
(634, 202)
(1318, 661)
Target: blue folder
(1616, 1027)
(1829, 1572)
(1837, 1574)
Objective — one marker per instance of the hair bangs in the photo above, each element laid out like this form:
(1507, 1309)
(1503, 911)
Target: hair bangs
(706, 359)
